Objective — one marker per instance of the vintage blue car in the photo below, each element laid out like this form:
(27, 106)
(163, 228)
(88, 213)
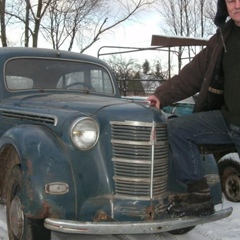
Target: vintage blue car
(76, 158)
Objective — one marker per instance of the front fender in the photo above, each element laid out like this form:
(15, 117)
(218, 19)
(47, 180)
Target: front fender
(44, 159)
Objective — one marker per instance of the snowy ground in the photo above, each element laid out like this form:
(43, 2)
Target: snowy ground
(3, 223)
(225, 229)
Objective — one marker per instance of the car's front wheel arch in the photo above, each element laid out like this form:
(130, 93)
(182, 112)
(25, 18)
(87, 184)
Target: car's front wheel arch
(21, 227)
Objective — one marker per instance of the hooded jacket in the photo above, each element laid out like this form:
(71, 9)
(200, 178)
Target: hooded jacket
(202, 75)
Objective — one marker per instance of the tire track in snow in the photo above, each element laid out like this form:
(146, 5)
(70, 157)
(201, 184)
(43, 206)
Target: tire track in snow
(160, 236)
(207, 233)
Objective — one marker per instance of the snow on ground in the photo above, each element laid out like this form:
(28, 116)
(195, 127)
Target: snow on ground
(3, 223)
(225, 229)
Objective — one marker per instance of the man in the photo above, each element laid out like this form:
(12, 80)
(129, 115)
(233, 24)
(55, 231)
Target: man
(215, 74)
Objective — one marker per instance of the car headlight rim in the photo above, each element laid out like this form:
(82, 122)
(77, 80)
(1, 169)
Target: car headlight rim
(85, 133)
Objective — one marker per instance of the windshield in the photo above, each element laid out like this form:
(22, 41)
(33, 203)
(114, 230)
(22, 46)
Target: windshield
(43, 74)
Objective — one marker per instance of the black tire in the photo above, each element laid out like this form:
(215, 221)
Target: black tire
(181, 230)
(230, 179)
(21, 227)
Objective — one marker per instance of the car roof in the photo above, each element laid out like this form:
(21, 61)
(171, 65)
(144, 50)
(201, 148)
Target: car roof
(10, 52)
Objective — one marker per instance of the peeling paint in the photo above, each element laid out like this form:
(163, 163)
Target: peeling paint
(29, 167)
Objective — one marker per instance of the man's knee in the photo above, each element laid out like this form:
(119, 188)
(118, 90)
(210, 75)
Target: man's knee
(173, 125)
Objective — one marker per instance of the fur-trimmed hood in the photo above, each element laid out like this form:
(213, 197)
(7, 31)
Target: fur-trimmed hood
(221, 14)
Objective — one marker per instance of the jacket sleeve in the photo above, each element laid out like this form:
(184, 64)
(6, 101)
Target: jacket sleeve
(189, 80)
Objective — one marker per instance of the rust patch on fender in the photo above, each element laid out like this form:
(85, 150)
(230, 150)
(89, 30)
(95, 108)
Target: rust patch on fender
(150, 212)
(102, 216)
(30, 169)
(46, 211)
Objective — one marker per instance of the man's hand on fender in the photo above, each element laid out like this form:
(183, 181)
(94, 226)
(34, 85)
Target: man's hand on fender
(154, 101)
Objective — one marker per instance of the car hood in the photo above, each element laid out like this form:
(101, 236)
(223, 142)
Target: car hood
(69, 104)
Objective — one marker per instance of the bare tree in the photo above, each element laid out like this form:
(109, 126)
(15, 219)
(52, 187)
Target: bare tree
(177, 18)
(85, 21)
(125, 70)
(65, 18)
(65, 23)
(3, 23)
(187, 18)
(28, 15)
(209, 13)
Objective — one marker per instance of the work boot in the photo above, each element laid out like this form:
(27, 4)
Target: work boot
(197, 203)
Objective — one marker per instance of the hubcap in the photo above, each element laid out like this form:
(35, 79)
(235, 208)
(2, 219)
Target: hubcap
(16, 217)
(232, 187)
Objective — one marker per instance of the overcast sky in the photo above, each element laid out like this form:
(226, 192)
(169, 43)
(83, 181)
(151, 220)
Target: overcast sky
(131, 34)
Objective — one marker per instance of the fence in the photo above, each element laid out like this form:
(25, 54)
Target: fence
(138, 87)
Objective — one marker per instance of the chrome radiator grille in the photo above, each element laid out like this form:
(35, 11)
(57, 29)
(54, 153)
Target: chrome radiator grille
(140, 158)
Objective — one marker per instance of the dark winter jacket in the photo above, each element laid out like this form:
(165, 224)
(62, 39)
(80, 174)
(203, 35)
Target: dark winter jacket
(202, 75)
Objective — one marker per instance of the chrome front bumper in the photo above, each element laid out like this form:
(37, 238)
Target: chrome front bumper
(146, 227)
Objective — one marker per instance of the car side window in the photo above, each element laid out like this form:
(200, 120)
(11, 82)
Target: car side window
(18, 82)
(101, 82)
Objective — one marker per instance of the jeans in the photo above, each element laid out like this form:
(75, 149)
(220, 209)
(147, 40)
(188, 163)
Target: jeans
(185, 133)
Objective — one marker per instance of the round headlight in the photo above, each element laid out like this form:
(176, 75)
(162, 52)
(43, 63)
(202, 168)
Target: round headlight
(85, 133)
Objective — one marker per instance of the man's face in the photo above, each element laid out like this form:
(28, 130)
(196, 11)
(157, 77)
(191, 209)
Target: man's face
(233, 7)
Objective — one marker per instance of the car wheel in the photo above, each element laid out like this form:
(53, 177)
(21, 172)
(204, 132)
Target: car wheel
(21, 227)
(230, 179)
(181, 230)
